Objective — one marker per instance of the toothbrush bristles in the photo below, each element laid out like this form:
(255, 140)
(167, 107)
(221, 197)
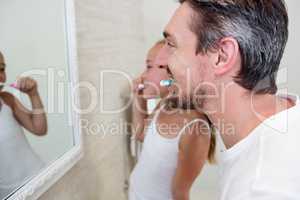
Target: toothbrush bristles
(166, 83)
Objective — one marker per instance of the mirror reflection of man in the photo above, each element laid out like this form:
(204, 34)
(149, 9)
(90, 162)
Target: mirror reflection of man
(18, 161)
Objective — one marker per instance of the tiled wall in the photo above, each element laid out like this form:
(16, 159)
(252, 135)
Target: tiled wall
(110, 36)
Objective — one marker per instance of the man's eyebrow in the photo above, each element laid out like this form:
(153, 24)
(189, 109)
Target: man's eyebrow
(2, 65)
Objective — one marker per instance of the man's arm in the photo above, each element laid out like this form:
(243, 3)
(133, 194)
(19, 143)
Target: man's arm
(193, 151)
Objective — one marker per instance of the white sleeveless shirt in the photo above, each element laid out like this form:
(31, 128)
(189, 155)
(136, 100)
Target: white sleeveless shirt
(18, 162)
(152, 176)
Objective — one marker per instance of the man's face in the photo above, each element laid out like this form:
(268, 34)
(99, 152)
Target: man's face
(190, 70)
(2, 70)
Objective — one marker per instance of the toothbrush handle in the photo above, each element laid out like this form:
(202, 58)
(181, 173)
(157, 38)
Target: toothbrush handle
(14, 85)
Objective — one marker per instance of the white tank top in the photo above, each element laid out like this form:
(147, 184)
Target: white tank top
(18, 162)
(152, 176)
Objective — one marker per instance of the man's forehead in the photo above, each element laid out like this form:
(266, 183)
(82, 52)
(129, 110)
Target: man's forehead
(180, 20)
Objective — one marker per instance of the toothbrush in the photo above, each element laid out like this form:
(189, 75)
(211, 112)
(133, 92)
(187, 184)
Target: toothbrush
(14, 85)
(166, 83)
(163, 83)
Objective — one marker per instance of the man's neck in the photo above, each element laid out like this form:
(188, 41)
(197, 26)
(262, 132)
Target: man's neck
(238, 112)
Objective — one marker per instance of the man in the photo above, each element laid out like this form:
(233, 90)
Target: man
(224, 56)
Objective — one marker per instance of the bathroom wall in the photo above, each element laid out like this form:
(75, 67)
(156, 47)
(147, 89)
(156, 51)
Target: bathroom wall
(156, 15)
(290, 62)
(110, 37)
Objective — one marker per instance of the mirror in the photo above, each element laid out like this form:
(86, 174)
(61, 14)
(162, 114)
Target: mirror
(38, 127)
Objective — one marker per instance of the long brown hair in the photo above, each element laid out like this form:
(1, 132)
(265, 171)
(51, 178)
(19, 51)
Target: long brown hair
(212, 146)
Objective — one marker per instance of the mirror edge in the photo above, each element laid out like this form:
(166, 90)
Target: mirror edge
(51, 174)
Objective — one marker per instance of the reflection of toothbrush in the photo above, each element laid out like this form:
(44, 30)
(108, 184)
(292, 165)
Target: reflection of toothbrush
(166, 83)
(141, 86)
(14, 85)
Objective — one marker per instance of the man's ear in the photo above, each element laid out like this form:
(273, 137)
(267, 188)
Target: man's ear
(226, 55)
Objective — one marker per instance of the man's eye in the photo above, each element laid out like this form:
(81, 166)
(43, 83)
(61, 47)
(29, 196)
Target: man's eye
(148, 66)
